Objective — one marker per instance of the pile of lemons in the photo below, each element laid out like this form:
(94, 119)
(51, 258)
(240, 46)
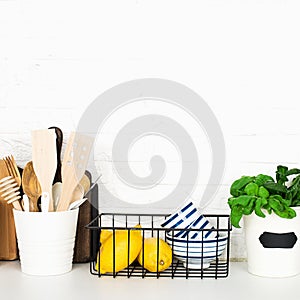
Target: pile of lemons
(153, 253)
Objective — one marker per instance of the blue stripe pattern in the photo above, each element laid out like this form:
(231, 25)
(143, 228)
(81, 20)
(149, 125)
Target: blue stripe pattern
(178, 215)
(195, 247)
(199, 258)
(169, 220)
(194, 226)
(187, 207)
(212, 250)
(205, 242)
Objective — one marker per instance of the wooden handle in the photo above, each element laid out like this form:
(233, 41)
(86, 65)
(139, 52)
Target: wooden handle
(65, 198)
(33, 204)
(44, 159)
(59, 141)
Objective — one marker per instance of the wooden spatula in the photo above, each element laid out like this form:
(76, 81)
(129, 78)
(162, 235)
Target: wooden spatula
(73, 167)
(44, 159)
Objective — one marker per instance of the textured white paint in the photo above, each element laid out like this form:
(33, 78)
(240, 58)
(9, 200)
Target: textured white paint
(242, 57)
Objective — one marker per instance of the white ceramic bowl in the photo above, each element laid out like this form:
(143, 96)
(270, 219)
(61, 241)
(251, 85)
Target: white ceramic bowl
(196, 243)
(197, 254)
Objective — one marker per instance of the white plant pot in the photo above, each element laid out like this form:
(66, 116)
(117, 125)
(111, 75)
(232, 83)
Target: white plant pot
(271, 252)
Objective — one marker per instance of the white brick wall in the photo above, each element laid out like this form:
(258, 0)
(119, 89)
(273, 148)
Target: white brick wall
(242, 57)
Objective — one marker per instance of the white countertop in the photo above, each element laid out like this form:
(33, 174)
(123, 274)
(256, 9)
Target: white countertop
(80, 284)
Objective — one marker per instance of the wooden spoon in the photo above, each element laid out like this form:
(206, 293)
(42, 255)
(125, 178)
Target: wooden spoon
(31, 186)
(78, 193)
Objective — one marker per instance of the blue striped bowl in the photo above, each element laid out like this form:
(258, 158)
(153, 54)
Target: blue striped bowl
(204, 230)
(197, 254)
(182, 219)
(188, 217)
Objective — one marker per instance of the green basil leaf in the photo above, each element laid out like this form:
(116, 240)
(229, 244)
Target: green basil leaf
(236, 216)
(261, 179)
(293, 172)
(275, 188)
(294, 188)
(263, 192)
(264, 202)
(275, 203)
(292, 213)
(231, 202)
(280, 207)
(284, 202)
(250, 207)
(257, 209)
(296, 202)
(288, 213)
(289, 195)
(251, 189)
(282, 169)
(236, 188)
(242, 200)
(281, 174)
(268, 208)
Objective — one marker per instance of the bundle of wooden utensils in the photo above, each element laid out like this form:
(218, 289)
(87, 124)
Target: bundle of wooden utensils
(59, 185)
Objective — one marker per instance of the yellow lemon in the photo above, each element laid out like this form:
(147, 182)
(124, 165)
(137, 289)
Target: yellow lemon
(150, 255)
(105, 234)
(117, 256)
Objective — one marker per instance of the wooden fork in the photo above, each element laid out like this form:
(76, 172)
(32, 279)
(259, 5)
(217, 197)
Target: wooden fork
(13, 169)
(10, 191)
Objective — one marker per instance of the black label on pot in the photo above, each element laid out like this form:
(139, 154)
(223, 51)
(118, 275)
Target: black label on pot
(278, 240)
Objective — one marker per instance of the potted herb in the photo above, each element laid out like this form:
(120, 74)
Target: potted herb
(269, 209)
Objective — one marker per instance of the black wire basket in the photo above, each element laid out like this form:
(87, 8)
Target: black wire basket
(214, 266)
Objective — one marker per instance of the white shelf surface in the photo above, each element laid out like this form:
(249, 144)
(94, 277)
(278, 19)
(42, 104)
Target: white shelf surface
(80, 284)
